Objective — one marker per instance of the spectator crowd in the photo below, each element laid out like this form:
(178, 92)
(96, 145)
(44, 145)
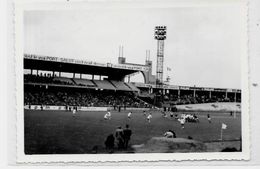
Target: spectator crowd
(190, 99)
(88, 98)
(99, 98)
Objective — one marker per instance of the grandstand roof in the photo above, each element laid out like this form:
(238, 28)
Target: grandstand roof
(49, 63)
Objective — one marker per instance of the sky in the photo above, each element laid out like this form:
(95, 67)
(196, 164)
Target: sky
(202, 47)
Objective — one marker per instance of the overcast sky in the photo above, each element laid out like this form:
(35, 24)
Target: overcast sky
(202, 46)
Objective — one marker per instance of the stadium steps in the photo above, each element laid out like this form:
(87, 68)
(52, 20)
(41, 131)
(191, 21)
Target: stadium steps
(141, 100)
(94, 82)
(74, 81)
(132, 87)
(84, 82)
(120, 85)
(113, 84)
(104, 84)
(64, 79)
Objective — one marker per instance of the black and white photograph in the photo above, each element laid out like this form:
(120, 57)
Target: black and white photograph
(132, 79)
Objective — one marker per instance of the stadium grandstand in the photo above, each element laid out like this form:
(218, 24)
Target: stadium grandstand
(95, 84)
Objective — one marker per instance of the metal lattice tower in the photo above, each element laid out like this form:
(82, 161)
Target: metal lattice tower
(160, 36)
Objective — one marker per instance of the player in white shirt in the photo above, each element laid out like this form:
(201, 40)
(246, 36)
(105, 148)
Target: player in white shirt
(107, 116)
(149, 117)
(168, 134)
(182, 121)
(74, 112)
(129, 115)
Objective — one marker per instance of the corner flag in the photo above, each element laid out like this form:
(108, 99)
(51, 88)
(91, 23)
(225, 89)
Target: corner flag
(223, 127)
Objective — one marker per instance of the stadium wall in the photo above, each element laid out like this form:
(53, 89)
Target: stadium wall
(79, 108)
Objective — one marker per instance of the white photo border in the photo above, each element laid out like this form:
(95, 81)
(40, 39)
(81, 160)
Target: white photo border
(21, 6)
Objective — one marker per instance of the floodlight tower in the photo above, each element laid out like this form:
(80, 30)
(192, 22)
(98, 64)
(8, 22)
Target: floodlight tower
(160, 36)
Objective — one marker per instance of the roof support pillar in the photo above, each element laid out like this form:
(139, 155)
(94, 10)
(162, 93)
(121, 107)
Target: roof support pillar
(73, 75)
(53, 73)
(99, 77)
(226, 96)
(80, 76)
(210, 94)
(59, 74)
(31, 71)
(92, 77)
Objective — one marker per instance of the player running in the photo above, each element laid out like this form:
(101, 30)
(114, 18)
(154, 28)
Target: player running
(209, 119)
(74, 112)
(182, 122)
(149, 117)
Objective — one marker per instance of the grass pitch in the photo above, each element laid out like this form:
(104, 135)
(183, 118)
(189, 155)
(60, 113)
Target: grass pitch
(58, 132)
